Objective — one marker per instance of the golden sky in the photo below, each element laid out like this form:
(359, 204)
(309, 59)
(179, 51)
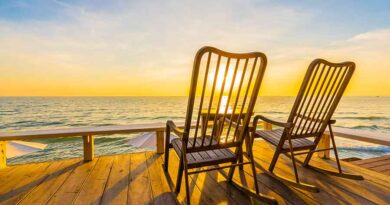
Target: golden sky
(147, 48)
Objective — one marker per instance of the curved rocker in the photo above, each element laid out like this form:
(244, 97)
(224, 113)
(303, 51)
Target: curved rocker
(318, 97)
(222, 117)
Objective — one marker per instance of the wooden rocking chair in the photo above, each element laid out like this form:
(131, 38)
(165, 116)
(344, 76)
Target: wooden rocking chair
(318, 97)
(224, 88)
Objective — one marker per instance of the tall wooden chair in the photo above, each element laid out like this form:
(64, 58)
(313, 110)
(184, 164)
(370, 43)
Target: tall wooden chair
(318, 97)
(223, 92)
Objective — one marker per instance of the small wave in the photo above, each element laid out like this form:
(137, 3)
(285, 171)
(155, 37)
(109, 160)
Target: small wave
(354, 113)
(77, 124)
(102, 124)
(364, 118)
(370, 127)
(369, 149)
(30, 123)
(276, 112)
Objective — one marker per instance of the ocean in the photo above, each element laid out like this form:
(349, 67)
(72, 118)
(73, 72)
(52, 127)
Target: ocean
(38, 113)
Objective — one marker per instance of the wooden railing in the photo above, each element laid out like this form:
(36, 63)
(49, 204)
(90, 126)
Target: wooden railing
(86, 133)
(358, 135)
(88, 137)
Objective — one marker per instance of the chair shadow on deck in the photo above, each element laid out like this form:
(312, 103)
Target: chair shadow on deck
(333, 188)
(124, 182)
(38, 181)
(268, 185)
(209, 185)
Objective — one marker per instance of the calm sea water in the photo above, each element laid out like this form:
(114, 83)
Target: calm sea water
(35, 113)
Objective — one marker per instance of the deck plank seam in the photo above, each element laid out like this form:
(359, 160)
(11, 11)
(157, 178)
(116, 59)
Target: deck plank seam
(277, 191)
(59, 187)
(106, 182)
(341, 188)
(307, 194)
(149, 176)
(128, 180)
(30, 190)
(83, 183)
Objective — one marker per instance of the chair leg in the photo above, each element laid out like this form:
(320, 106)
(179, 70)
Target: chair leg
(295, 167)
(339, 172)
(254, 173)
(179, 175)
(167, 143)
(231, 170)
(188, 195)
(241, 160)
(335, 151)
(274, 160)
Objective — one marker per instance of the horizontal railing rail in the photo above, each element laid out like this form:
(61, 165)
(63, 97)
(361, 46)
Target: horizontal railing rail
(88, 134)
(379, 138)
(374, 137)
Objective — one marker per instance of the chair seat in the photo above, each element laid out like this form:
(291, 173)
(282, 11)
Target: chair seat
(274, 136)
(204, 158)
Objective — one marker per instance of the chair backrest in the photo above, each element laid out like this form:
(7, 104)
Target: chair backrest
(318, 97)
(224, 88)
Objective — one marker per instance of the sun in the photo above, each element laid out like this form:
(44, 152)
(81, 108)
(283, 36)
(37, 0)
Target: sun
(229, 78)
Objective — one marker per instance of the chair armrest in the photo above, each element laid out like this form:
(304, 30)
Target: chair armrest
(179, 132)
(280, 124)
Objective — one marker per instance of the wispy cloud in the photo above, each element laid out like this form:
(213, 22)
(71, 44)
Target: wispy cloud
(119, 48)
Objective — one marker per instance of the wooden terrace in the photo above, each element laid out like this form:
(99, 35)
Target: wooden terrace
(138, 178)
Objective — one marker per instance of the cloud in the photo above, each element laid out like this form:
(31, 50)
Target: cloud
(135, 47)
(149, 41)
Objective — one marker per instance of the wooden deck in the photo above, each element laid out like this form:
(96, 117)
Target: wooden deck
(378, 164)
(138, 179)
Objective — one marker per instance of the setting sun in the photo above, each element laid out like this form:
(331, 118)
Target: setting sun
(228, 80)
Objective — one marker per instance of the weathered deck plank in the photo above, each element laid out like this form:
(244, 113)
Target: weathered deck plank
(73, 184)
(138, 178)
(378, 164)
(43, 192)
(338, 189)
(117, 184)
(139, 188)
(94, 186)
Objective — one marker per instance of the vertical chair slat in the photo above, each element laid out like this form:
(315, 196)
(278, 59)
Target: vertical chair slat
(303, 119)
(202, 97)
(309, 119)
(326, 103)
(301, 98)
(237, 98)
(320, 103)
(228, 98)
(245, 97)
(211, 100)
(332, 99)
(215, 125)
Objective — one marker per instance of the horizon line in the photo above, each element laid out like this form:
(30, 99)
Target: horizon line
(163, 96)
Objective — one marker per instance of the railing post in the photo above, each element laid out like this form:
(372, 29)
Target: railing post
(3, 156)
(267, 126)
(160, 142)
(324, 144)
(88, 148)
